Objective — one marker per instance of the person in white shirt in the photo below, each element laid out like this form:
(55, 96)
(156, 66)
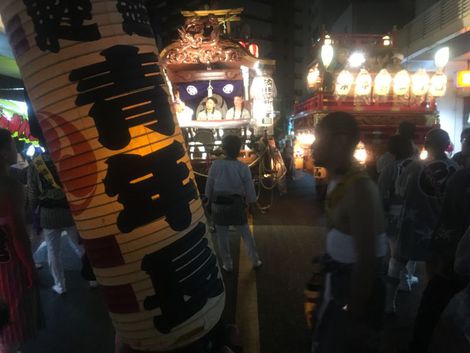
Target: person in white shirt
(229, 190)
(211, 112)
(238, 112)
(184, 114)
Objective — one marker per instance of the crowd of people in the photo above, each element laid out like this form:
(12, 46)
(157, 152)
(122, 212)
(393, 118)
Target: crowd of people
(420, 211)
(33, 211)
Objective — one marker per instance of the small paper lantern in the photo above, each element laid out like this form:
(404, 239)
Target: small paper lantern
(344, 83)
(438, 84)
(313, 77)
(420, 83)
(91, 70)
(327, 52)
(363, 83)
(382, 83)
(401, 83)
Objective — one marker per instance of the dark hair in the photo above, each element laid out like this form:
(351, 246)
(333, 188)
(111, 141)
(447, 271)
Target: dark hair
(212, 99)
(400, 146)
(465, 132)
(341, 123)
(5, 139)
(407, 130)
(438, 140)
(232, 145)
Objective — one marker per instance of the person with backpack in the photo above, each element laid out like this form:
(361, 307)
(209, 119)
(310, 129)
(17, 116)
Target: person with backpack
(55, 218)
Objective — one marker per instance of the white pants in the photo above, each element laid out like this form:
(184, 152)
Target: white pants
(223, 236)
(53, 241)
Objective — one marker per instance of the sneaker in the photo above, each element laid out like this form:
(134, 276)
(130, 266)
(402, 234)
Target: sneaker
(258, 264)
(58, 289)
(38, 266)
(93, 284)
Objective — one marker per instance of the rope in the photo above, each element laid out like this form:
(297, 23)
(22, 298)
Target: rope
(262, 169)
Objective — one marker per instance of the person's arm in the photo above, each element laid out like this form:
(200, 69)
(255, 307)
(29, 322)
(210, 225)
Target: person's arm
(248, 185)
(365, 222)
(21, 241)
(210, 183)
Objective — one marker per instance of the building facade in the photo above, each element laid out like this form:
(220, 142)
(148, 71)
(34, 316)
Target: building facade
(440, 24)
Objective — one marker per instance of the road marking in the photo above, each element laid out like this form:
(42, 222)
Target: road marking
(246, 315)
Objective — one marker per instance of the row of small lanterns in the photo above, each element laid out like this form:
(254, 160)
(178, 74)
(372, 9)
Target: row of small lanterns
(420, 83)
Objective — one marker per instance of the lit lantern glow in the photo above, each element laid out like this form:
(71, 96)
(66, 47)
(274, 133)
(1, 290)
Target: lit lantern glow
(423, 155)
(363, 83)
(344, 83)
(386, 41)
(438, 84)
(313, 77)
(401, 83)
(327, 52)
(382, 83)
(306, 139)
(356, 59)
(441, 58)
(360, 153)
(420, 83)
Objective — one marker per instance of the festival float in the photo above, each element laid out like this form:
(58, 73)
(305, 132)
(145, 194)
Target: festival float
(219, 87)
(364, 75)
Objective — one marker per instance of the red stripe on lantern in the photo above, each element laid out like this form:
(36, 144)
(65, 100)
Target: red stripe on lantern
(104, 252)
(120, 299)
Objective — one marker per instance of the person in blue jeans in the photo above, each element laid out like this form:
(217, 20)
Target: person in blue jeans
(230, 193)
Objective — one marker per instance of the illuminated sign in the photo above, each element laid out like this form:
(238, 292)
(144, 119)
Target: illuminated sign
(463, 79)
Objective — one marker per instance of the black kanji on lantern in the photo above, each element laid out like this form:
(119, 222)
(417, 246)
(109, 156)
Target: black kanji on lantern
(135, 17)
(61, 19)
(184, 276)
(151, 187)
(126, 91)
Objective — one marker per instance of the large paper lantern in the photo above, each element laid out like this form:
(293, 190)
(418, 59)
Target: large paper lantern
(420, 83)
(438, 85)
(263, 90)
(363, 83)
(382, 83)
(344, 83)
(91, 70)
(401, 83)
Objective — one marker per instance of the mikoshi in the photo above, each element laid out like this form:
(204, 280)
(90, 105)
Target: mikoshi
(91, 70)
